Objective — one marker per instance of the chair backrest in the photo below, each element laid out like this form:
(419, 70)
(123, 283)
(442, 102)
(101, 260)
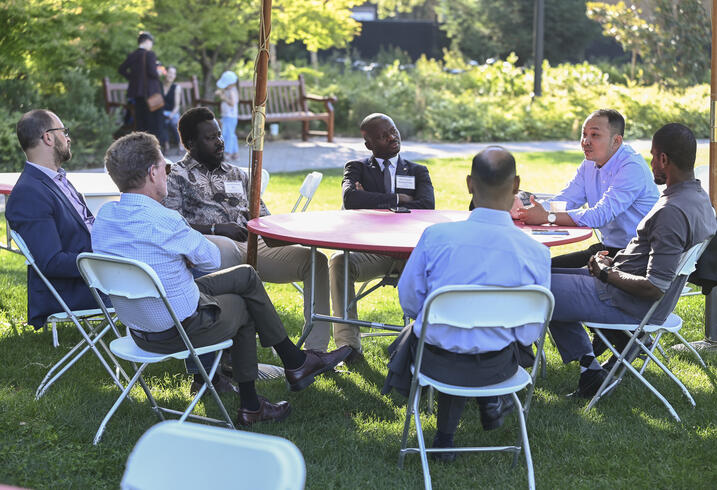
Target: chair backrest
(174, 455)
(689, 259)
(308, 189)
(702, 173)
(264, 179)
(471, 306)
(118, 276)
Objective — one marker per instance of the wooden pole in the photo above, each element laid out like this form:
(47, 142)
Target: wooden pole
(711, 299)
(538, 37)
(261, 69)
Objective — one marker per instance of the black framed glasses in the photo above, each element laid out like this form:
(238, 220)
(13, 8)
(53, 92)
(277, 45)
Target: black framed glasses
(66, 131)
(167, 167)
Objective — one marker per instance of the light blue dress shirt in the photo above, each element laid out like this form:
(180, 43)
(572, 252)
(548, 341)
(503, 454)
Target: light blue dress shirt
(487, 249)
(618, 194)
(138, 227)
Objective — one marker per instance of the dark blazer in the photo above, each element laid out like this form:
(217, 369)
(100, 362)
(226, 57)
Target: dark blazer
(55, 234)
(142, 82)
(368, 172)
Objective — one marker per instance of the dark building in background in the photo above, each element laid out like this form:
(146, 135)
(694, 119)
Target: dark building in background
(415, 37)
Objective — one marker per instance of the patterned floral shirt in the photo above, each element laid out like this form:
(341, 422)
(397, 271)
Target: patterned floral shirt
(206, 197)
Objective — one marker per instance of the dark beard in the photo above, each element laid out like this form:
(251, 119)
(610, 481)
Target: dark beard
(210, 160)
(62, 156)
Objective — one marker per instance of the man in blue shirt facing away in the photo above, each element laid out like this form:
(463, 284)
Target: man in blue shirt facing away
(228, 304)
(487, 249)
(615, 183)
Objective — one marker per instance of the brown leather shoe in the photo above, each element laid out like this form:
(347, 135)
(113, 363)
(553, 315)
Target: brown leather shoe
(316, 363)
(222, 383)
(355, 357)
(267, 412)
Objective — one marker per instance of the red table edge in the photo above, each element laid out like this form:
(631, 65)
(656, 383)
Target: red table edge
(400, 252)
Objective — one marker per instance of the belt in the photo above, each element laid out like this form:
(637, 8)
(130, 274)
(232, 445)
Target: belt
(446, 353)
(170, 333)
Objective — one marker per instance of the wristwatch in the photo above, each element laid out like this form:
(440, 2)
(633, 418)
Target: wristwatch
(211, 231)
(552, 217)
(603, 273)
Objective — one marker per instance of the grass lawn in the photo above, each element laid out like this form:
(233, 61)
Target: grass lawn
(347, 431)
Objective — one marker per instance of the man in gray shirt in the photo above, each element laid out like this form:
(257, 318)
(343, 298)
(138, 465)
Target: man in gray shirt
(621, 290)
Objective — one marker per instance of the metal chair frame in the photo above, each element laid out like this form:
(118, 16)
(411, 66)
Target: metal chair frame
(113, 276)
(447, 306)
(672, 325)
(91, 334)
(306, 191)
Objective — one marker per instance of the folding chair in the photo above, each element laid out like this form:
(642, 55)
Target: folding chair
(306, 192)
(176, 456)
(264, 179)
(91, 334)
(672, 324)
(469, 306)
(131, 281)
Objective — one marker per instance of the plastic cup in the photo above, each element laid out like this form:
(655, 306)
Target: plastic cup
(558, 206)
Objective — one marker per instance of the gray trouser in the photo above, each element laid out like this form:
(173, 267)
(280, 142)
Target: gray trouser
(233, 305)
(362, 267)
(291, 263)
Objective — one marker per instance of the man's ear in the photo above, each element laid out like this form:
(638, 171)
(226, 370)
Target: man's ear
(516, 184)
(618, 141)
(469, 183)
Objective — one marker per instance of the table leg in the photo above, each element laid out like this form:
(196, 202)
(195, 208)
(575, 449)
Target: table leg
(346, 285)
(308, 326)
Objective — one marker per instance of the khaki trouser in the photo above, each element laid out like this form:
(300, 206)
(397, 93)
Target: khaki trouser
(362, 267)
(291, 263)
(233, 305)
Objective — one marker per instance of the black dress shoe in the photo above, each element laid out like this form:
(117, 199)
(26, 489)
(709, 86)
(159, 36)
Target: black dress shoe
(316, 363)
(267, 412)
(589, 383)
(493, 409)
(355, 357)
(223, 384)
(443, 457)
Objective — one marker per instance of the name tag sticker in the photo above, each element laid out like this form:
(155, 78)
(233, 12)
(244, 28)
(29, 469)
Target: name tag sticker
(406, 182)
(234, 187)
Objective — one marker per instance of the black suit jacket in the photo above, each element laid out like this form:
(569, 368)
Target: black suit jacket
(55, 234)
(143, 82)
(368, 172)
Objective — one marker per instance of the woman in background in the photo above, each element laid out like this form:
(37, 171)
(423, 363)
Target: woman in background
(229, 94)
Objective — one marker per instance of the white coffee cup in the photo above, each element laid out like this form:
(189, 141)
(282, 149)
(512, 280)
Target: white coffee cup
(558, 206)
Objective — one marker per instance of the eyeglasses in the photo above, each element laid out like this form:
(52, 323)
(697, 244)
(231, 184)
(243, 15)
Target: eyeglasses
(167, 167)
(66, 131)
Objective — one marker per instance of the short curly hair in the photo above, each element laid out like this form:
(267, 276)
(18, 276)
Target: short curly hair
(190, 120)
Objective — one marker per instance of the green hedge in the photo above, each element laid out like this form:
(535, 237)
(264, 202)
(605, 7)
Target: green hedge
(454, 101)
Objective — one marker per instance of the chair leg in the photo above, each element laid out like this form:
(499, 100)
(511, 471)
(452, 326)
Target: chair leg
(45, 384)
(208, 385)
(421, 442)
(407, 424)
(431, 395)
(691, 349)
(55, 339)
(669, 373)
(526, 444)
(117, 403)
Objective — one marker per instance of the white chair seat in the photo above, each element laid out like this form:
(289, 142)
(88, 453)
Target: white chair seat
(517, 382)
(672, 324)
(126, 348)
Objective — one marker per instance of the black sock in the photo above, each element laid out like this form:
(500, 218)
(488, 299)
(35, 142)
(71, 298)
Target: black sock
(248, 399)
(442, 439)
(198, 378)
(291, 356)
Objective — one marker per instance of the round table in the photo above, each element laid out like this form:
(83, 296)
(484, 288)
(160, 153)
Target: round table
(376, 231)
(382, 231)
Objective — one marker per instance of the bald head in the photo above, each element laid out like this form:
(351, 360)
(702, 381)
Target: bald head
(493, 181)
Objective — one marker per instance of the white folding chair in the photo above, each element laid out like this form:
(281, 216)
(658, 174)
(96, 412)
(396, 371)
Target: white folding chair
(264, 179)
(672, 325)
(188, 456)
(132, 281)
(469, 306)
(91, 334)
(308, 189)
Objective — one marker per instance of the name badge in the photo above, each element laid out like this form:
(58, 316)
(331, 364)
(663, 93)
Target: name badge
(406, 182)
(234, 187)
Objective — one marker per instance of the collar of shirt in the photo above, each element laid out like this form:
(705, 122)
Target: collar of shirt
(491, 216)
(393, 160)
(617, 156)
(680, 185)
(134, 199)
(191, 163)
(47, 171)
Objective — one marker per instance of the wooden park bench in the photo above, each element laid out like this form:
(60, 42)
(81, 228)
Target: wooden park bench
(287, 100)
(115, 95)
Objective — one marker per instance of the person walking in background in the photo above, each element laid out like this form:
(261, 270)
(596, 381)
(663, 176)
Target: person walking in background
(140, 69)
(170, 111)
(229, 94)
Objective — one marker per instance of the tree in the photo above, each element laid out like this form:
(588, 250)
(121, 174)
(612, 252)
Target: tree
(672, 41)
(214, 35)
(485, 28)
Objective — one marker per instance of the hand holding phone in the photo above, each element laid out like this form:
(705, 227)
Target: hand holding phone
(400, 209)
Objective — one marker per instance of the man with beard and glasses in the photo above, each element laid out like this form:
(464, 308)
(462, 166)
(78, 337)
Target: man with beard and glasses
(622, 289)
(382, 181)
(51, 216)
(212, 196)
